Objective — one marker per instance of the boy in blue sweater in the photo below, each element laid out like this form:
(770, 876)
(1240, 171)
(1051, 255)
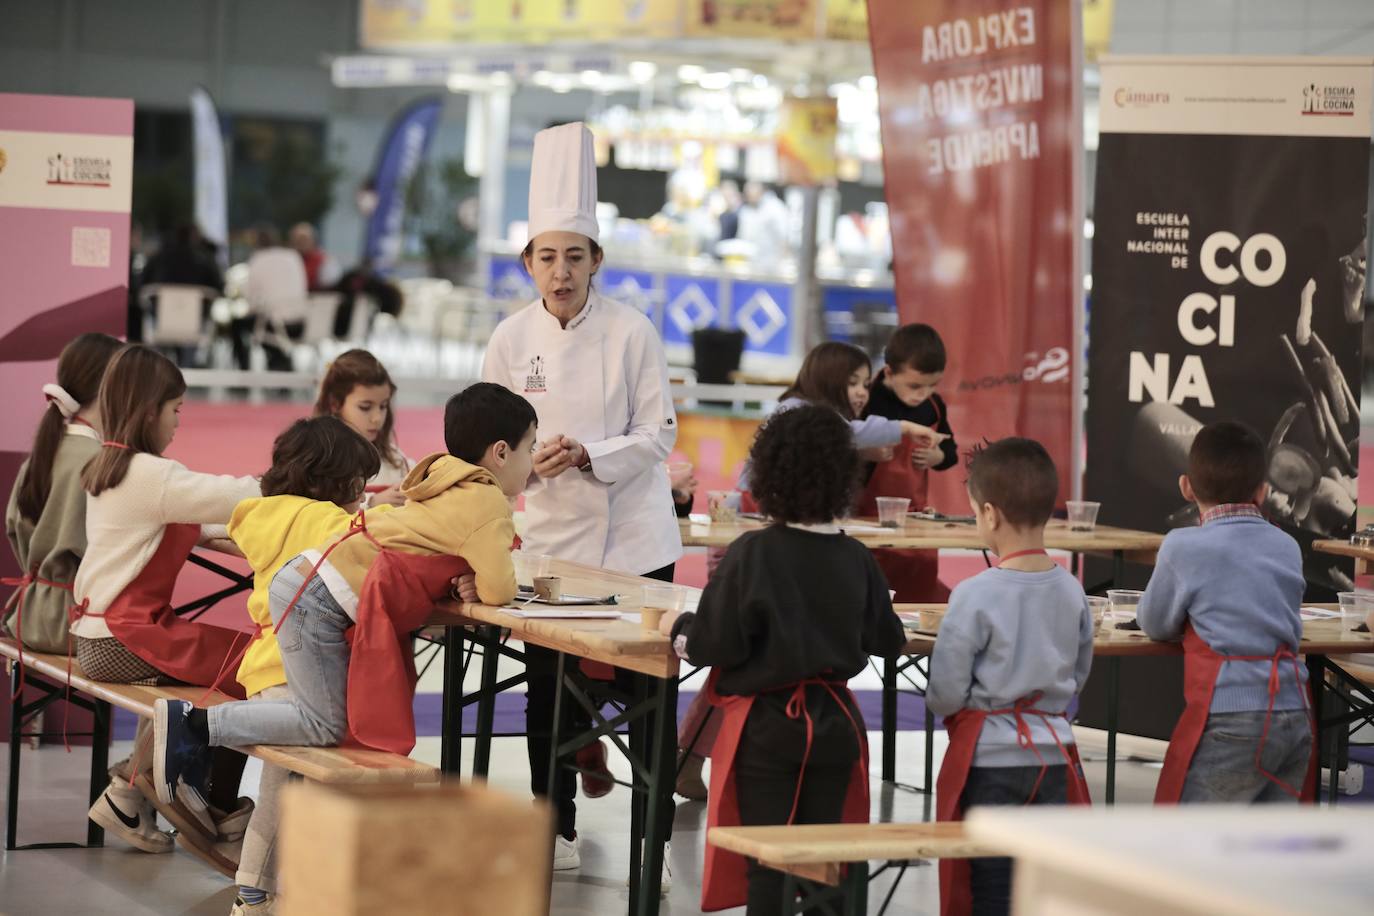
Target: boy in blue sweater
(1014, 648)
(1232, 589)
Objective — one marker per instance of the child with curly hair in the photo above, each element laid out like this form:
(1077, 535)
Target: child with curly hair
(793, 612)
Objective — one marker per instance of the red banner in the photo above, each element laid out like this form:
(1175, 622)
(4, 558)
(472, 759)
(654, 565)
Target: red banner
(981, 130)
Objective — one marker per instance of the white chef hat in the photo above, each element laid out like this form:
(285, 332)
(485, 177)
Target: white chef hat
(563, 181)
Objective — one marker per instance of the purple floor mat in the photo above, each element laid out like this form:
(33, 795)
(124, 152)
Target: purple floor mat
(510, 714)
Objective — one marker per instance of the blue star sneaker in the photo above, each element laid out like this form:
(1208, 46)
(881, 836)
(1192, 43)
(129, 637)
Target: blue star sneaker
(178, 753)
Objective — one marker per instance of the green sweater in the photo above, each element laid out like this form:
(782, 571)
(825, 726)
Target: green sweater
(54, 545)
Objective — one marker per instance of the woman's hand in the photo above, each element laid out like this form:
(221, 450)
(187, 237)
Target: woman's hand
(391, 496)
(466, 588)
(553, 458)
(923, 435)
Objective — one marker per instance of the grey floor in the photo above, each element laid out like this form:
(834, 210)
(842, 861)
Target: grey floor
(120, 880)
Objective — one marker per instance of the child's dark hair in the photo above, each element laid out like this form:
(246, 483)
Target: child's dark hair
(321, 458)
(915, 346)
(79, 370)
(484, 413)
(824, 376)
(348, 370)
(136, 385)
(803, 466)
(1018, 477)
(1226, 463)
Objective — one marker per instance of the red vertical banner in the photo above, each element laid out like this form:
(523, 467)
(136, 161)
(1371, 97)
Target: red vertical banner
(982, 138)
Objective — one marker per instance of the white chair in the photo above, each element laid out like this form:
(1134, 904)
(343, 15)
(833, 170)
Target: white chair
(363, 309)
(321, 309)
(174, 313)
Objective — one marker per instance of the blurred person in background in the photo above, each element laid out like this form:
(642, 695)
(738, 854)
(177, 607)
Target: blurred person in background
(764, 222)
(321, 270)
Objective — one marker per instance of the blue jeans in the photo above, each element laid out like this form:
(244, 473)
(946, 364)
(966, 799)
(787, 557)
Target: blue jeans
(1223, 767)
(990, 879)
(314, 653)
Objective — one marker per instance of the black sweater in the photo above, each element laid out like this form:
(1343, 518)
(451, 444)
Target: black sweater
(930, 412)
(788, 604)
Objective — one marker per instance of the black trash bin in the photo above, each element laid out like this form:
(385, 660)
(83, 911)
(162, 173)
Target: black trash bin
(716, 353)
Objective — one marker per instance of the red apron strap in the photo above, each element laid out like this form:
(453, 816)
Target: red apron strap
(21, 586)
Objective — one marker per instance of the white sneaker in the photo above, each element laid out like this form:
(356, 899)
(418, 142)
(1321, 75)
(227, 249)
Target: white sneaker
(266, 908)
(122, 811)
(665, 883)
(565, 854)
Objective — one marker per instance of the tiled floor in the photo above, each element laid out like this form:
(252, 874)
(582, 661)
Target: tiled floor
(119, 880)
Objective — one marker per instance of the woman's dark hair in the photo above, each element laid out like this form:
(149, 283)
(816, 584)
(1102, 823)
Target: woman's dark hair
(321, 458)
(137, 383)
(803, 466)
(824, 376)
(79, 370)
(348, 370)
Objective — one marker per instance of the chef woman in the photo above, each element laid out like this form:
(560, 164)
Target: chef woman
(597, 376)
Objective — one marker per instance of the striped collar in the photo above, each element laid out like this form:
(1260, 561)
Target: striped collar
(1230, 510)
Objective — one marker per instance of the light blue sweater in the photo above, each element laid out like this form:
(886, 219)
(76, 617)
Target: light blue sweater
(1239, 582)
(1008, 635)
(870, 432)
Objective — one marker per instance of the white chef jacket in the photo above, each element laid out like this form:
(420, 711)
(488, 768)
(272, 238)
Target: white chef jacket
(603, 380)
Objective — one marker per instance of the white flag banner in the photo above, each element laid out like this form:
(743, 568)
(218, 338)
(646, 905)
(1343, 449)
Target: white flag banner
(212, 203)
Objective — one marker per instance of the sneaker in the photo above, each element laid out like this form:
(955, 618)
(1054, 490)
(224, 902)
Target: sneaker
(221, 848)
(665, 882)
(266, 908)
(122, 811)
(178, 755)
(565, 854)
(598, 781)
(689, 782)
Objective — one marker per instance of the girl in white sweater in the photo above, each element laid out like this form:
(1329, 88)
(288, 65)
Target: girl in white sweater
(144, 515)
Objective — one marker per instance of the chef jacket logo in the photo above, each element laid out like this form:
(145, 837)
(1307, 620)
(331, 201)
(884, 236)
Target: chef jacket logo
(87, 171)
(1337, 101)
(536, 382)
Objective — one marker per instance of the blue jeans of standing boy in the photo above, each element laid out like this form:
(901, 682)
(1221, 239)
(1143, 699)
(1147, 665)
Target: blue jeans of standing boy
(315, 654)
(1223, 767)
(990, 879)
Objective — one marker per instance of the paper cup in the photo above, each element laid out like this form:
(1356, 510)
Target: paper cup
(892, 511)
(549, 588)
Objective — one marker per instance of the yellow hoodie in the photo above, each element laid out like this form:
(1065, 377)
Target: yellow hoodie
(452, 508)
(271, 530)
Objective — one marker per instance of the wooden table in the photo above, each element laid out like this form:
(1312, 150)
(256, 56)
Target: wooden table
(1364, 556)
(650, 713)
(1122, 545)
(1194, 860)
(1320, 639)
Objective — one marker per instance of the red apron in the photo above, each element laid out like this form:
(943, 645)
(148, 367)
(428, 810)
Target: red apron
(724, 881)
(913, 574)
(963, 729)
(1201, 665)
(21, 587)
(142, 619)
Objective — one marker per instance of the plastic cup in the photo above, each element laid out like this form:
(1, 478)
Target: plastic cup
(723, 505)
(530, 566)
(1356, 609)
(550, 588)
(1082, 514)
(658, 600)
(892, 511)
(1098, 607)
(1124, 600)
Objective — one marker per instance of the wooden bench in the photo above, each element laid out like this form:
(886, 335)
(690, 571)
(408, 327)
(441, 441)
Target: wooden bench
(828, 863)
(329, 765)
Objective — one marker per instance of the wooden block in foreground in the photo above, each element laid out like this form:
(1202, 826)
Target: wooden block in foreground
(446, 850)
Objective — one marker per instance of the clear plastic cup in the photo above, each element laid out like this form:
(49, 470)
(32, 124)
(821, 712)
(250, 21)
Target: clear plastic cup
(892, 511)
(723, 505)
(1356, 609)
(1098, 607)
(1124, 601)
(531, 566)
(1082, 514)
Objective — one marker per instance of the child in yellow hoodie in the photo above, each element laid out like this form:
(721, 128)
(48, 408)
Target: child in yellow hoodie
(384, 574)
(309, 495)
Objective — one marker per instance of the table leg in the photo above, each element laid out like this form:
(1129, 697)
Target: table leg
(856, 889)
(16, 728)
(930, 752)
(639, 744)
(1326, 737)
(1113, 687)
(889, 720)
(489, 639)
(556, 728)
(661, 737)
(451, 739)
(100, 765)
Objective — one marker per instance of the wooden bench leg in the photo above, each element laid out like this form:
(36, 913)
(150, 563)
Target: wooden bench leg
(490, 640)
(100, 766)
(451, 740)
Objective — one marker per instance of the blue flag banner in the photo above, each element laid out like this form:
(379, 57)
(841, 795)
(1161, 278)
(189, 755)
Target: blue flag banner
(403, 149)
